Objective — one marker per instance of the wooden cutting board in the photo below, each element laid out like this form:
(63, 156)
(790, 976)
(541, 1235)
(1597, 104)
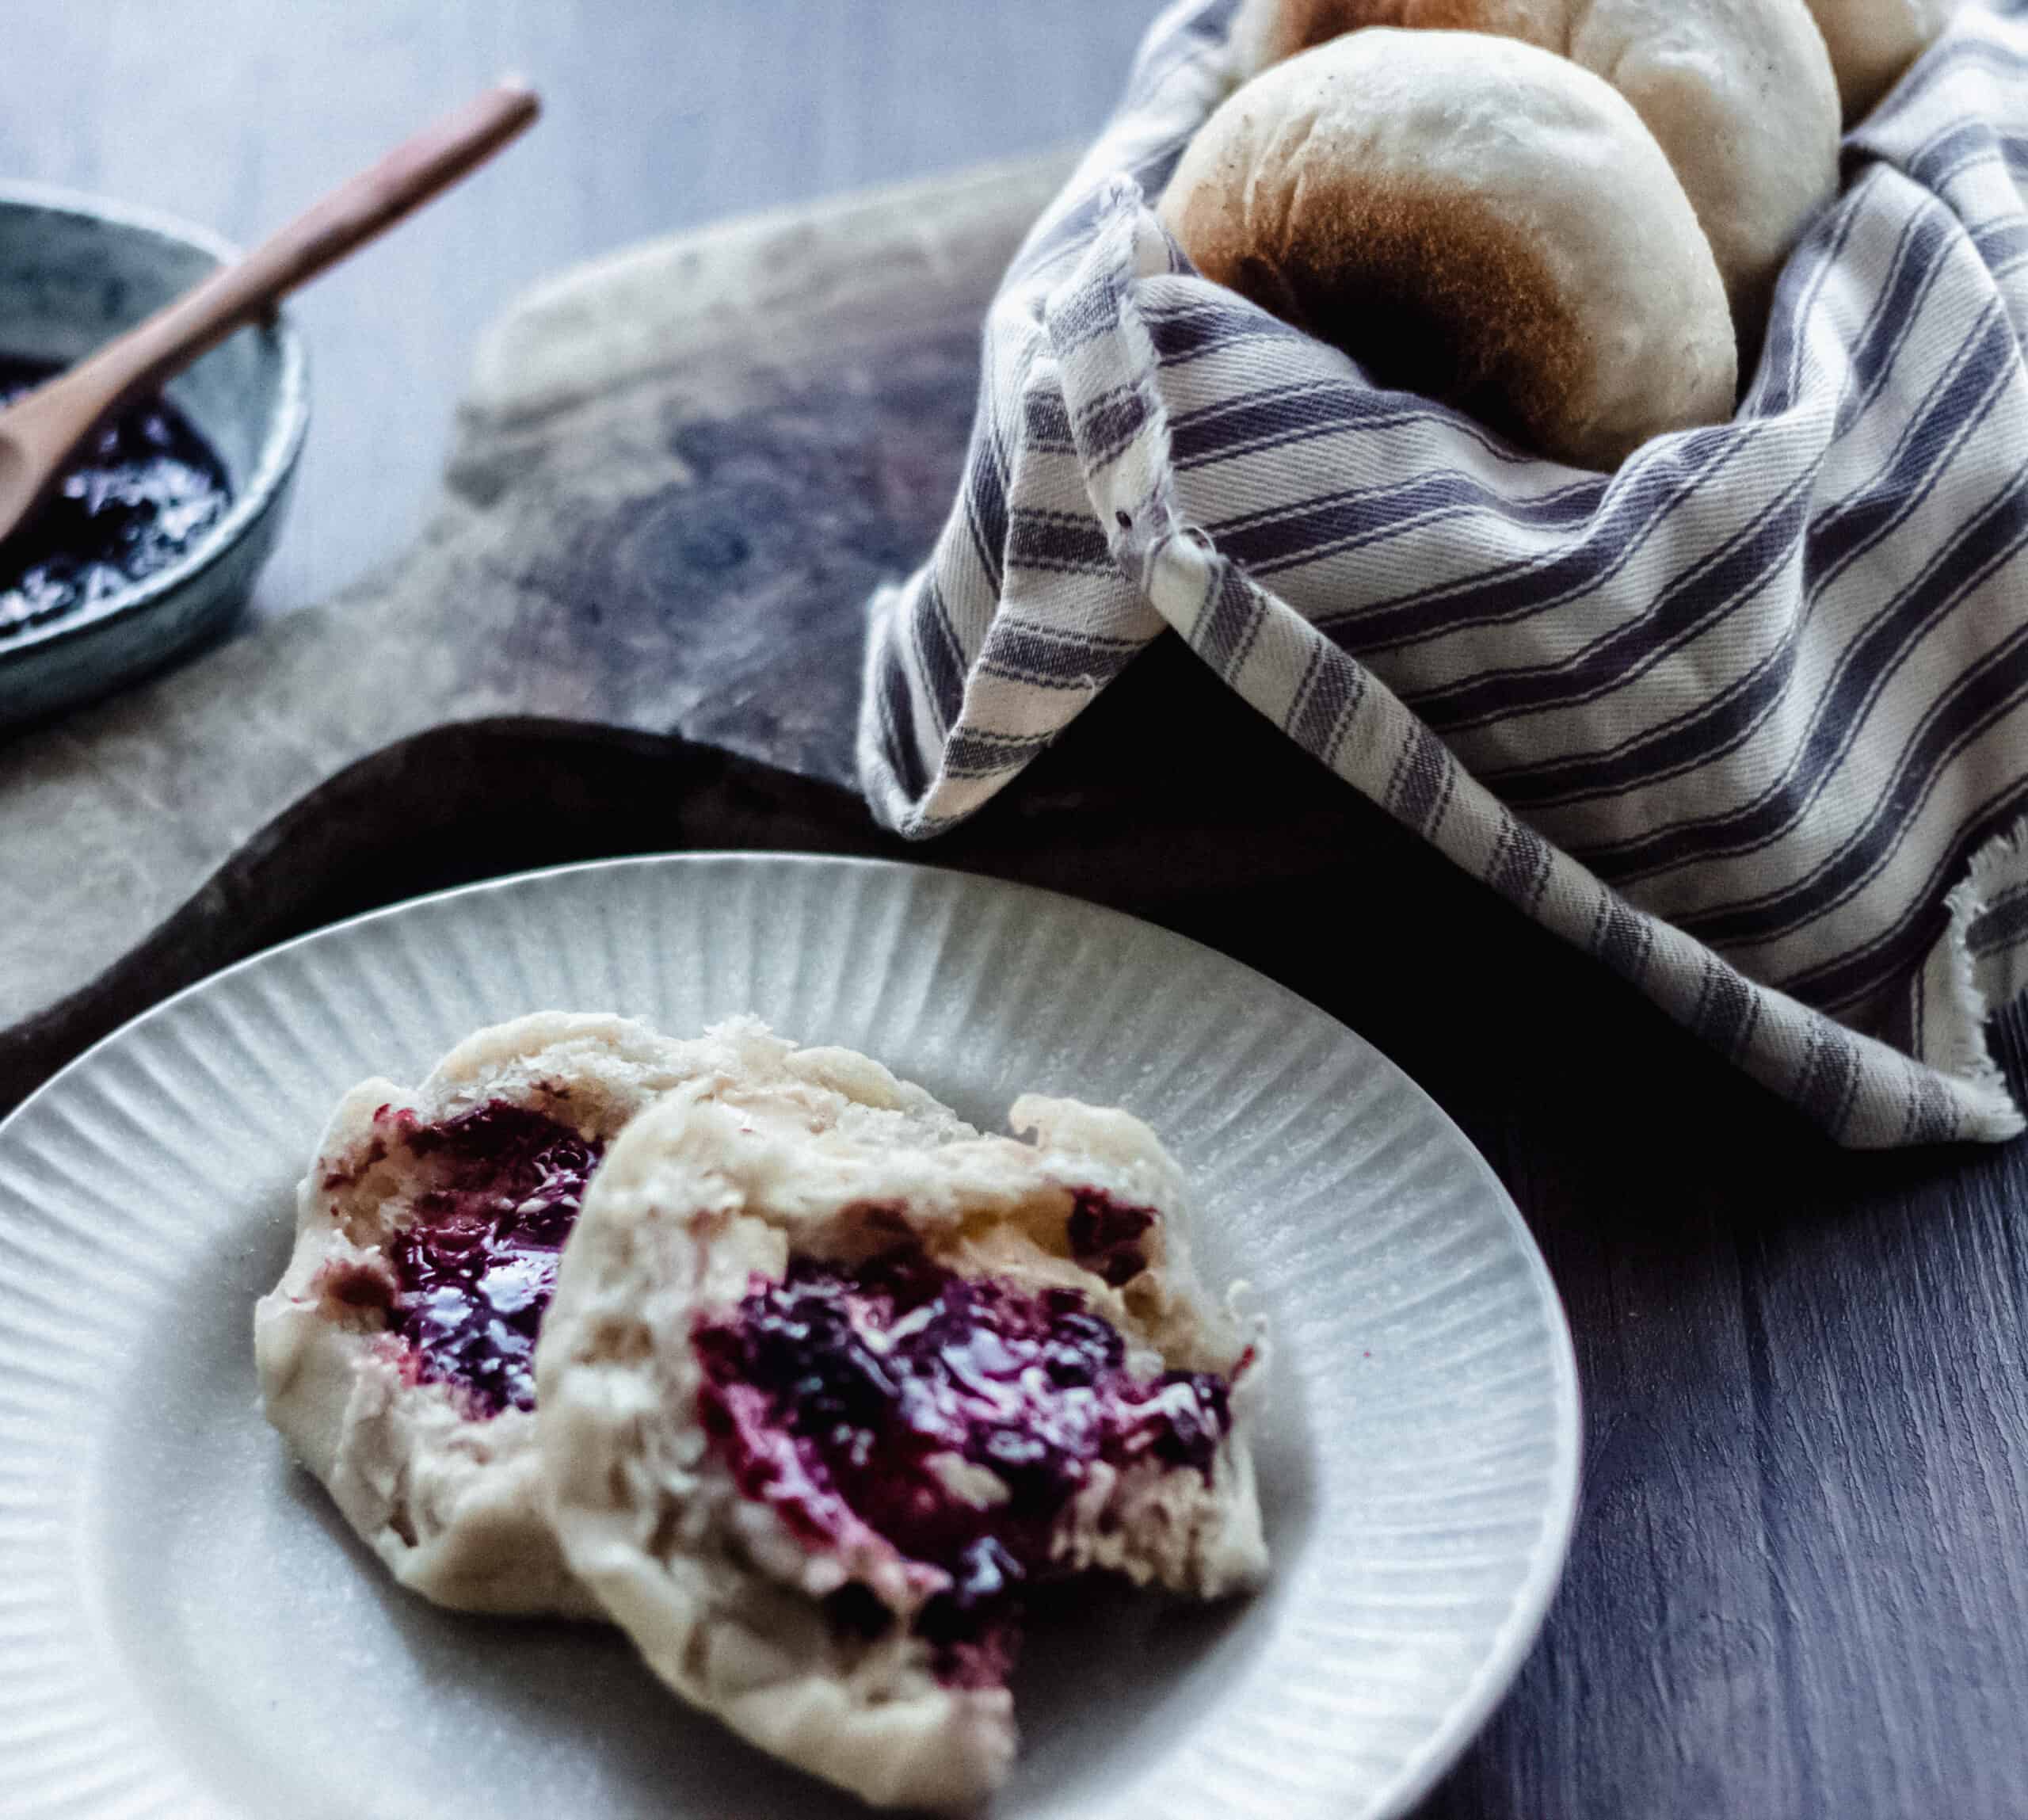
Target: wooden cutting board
(633, 621)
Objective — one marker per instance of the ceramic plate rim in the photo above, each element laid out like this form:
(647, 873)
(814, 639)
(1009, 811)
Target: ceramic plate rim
(1516, 1639)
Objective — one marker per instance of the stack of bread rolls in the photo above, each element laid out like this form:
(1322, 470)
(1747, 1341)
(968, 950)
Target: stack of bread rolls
(1566, 217)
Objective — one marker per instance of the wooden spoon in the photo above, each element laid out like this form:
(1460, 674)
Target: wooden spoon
(39, 433)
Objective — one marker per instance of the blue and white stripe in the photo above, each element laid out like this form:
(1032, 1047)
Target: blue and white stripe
(1747, 719)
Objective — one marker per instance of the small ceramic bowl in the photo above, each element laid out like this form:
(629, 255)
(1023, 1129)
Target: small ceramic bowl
(74, 271)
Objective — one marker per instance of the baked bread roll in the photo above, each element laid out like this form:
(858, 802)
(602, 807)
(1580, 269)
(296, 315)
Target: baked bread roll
(1739, 94)
(1473, 218)
(397, 1353)
(1872, 42)
(817, 1411)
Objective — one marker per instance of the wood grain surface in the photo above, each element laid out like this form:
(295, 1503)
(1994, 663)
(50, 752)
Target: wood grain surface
(1799, 1581)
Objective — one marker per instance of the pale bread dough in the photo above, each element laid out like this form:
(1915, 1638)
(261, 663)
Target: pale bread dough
(694, 1200)
(450, 1500)
(1740, 94)
(1872, 42)
(1474, 219)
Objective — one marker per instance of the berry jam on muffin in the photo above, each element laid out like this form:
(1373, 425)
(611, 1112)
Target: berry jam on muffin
(818, 1413)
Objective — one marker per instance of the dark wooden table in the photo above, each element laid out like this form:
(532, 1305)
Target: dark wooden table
(1800, 1582)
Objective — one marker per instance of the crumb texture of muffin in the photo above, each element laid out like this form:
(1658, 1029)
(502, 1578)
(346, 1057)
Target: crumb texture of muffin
(396, 1354)
(818, 1410)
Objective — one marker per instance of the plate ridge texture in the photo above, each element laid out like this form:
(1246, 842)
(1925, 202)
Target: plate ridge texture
(186, 1628)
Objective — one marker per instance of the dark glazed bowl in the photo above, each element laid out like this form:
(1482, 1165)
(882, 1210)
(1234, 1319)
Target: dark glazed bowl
(74, 271)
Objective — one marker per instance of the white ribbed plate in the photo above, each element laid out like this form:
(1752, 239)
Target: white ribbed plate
(185, 1628)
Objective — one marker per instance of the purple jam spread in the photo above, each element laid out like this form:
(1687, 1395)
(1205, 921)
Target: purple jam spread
(1105, 1236)
(830, 1392)
(138, 495)
(475, 1271)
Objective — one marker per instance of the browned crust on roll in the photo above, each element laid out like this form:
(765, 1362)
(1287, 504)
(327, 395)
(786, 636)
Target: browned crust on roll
(1432, 292)
(1301, 25)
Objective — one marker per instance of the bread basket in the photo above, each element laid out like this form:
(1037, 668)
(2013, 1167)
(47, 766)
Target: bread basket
(1747, 719)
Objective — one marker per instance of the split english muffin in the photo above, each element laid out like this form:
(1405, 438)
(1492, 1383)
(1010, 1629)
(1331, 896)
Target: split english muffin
(396, 1353)
(817, 1413)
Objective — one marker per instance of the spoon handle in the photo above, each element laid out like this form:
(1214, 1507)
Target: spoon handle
(364, 206)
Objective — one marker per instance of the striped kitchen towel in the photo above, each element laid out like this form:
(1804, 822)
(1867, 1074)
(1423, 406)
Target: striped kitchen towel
(1747, 719)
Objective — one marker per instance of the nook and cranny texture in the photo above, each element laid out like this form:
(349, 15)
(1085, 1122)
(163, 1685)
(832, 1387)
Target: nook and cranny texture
(814, 1410)
(396, 1354)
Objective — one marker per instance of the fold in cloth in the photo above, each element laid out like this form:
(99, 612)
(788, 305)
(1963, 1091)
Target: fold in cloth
(1748, 720)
